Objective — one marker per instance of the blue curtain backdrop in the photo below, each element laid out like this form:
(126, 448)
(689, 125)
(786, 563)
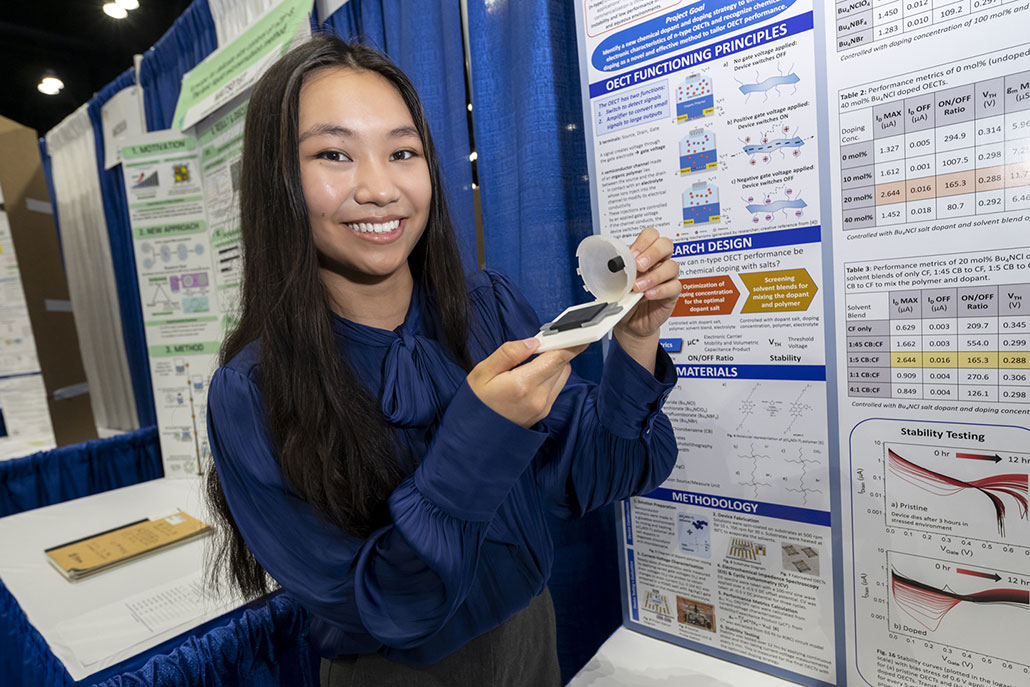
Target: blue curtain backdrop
(529, 139)
(191, 39)
(119, 234)
(71, 472)
(424, 39)
(536, 209)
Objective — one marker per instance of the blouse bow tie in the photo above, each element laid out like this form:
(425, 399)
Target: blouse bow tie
(419, 379)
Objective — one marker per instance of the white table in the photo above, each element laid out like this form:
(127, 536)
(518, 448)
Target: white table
(630, 659)
(47, 598)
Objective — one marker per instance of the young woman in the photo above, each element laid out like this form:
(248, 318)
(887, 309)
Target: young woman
(385, 441)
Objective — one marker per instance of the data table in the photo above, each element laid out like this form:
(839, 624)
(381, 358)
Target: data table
(958, 344)
(862, 22)
(952, 153)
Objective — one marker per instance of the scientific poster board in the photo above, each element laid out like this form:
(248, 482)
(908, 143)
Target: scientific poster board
(183, 195)
(44, 396)
(929, 108)
(847, 187)
(24, 411)
(181, 316)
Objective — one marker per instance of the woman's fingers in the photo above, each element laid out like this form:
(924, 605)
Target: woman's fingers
(664, 272)
(523, 394)
(545, 367)
(655, 252)
(507, 356)
(666, 289)
(644, 240)
(557, 385)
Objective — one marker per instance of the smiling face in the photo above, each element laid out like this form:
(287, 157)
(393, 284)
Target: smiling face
(364, 174)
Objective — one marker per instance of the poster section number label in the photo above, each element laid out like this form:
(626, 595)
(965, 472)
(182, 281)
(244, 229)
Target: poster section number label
(703, 120)
(930, 154)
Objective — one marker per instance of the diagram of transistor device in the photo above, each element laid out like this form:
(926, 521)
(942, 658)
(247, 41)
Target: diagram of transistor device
(694, 98)
(701, 204)
(698, 152)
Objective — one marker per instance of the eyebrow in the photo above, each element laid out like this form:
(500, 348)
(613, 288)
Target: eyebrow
(323, 129)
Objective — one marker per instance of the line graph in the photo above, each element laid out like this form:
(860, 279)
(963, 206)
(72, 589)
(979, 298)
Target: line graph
(994, 487)
(959, 604)
(929, 604)
(932, 572)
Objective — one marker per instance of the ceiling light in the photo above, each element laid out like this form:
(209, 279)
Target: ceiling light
(127, 4)
(115, 11)
(50, 85)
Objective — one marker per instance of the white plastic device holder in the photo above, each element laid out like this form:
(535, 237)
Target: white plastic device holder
(609, 272)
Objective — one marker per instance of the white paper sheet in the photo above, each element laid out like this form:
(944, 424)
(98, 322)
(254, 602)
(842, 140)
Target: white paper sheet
(121, 118)
(105, 631)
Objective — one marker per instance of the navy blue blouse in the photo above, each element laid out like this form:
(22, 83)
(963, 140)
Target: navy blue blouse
(468, 546)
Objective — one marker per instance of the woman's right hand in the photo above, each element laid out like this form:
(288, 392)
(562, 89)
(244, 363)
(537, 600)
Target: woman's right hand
(523, 394)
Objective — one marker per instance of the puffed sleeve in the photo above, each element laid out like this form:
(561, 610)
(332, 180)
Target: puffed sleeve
(402, 583)
(606, 441)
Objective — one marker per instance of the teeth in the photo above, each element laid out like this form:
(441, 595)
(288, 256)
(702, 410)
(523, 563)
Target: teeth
(375, 227)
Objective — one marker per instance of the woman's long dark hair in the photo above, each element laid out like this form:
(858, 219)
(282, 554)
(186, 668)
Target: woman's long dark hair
(334, 447)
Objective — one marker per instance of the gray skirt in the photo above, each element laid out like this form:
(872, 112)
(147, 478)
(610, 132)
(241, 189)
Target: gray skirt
(520, 652)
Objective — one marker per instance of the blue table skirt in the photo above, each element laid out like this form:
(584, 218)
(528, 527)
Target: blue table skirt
(78, 470)
(264, 644)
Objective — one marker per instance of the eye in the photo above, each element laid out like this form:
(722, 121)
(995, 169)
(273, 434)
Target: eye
(333, 156)
(405, 154)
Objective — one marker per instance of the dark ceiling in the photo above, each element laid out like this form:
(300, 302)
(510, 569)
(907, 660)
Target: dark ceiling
(82, 46)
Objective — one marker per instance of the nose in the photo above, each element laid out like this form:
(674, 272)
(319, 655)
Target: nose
(375, 184)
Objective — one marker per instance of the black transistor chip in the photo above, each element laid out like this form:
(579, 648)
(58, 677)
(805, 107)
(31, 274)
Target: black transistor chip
(574, 319)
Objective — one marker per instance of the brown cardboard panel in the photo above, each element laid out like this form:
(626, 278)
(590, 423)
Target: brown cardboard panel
(42, 273)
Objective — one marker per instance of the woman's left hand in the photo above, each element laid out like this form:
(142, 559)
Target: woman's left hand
(658, 280)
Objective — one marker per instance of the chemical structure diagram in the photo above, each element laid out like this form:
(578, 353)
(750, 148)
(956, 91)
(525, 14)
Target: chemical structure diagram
(771, 83)
(761, 461)
(798, 408)
(749, 405)
(763, 147)
(773, 408)
(752, 478)
(770, 453)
